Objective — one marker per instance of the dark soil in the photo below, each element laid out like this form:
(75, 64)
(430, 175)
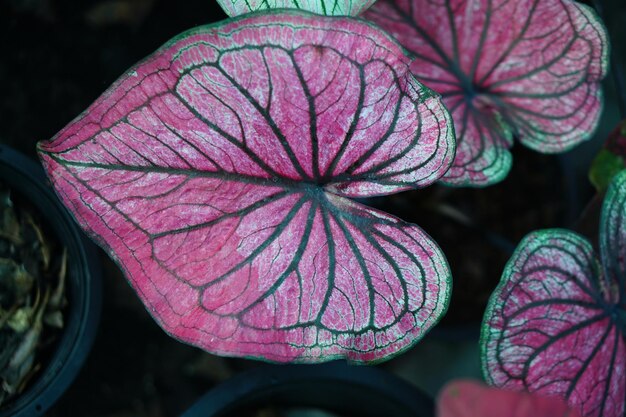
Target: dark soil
(33, 293)
(60, 55)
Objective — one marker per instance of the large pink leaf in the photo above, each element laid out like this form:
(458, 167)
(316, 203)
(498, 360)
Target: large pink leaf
(525, 67)
(557, 321)
(216, 174)
(468, 398)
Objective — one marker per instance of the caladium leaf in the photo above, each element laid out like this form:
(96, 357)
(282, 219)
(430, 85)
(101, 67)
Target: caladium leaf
(613, 240)
(556, 324)
(468, 398)
(217, 171)
(525, 68)
(323, 7)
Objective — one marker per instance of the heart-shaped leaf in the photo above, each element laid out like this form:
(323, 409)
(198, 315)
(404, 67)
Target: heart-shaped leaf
(468, 398)
(323, 7)
(216, 174)
(529, 68)
(556, 323)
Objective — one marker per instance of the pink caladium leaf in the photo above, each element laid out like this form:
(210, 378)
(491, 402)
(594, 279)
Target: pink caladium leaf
(323, 7)
(217, 171)
(556, 324)
(613, 240)
(468, 398)
(524, 68)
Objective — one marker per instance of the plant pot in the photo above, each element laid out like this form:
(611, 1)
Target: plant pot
(362, 391)
(83, 287)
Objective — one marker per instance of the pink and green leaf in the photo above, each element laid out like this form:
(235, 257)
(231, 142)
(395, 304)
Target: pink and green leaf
(613, 239)
(553, 326)
(217, 174)
(524, 68)
(468, 398)
(323, 7)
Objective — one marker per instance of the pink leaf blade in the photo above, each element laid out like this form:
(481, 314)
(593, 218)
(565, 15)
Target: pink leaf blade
(532, 67)
(212, 98)
(358, 284)
(549, 329)
(559, 44)
(479, 160)
(400, 158)
(215, 174)
(468, 398)
(553, 124)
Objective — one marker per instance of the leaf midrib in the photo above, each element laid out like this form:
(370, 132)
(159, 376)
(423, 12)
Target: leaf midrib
(308, 186)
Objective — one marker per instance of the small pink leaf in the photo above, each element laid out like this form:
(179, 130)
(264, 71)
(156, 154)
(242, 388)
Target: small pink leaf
(525, 67)
(215, 173)
(552, 326)
(323, 7)
(467, 398)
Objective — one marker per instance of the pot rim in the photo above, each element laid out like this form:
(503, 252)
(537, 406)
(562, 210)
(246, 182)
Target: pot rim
(358, 390)
(84, 283)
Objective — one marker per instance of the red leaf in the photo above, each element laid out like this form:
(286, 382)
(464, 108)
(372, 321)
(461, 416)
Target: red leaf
(467, 398)
(215, 173)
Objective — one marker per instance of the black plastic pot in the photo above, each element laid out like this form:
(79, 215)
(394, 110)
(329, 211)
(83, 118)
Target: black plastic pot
(361, 391)
(84, 286)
